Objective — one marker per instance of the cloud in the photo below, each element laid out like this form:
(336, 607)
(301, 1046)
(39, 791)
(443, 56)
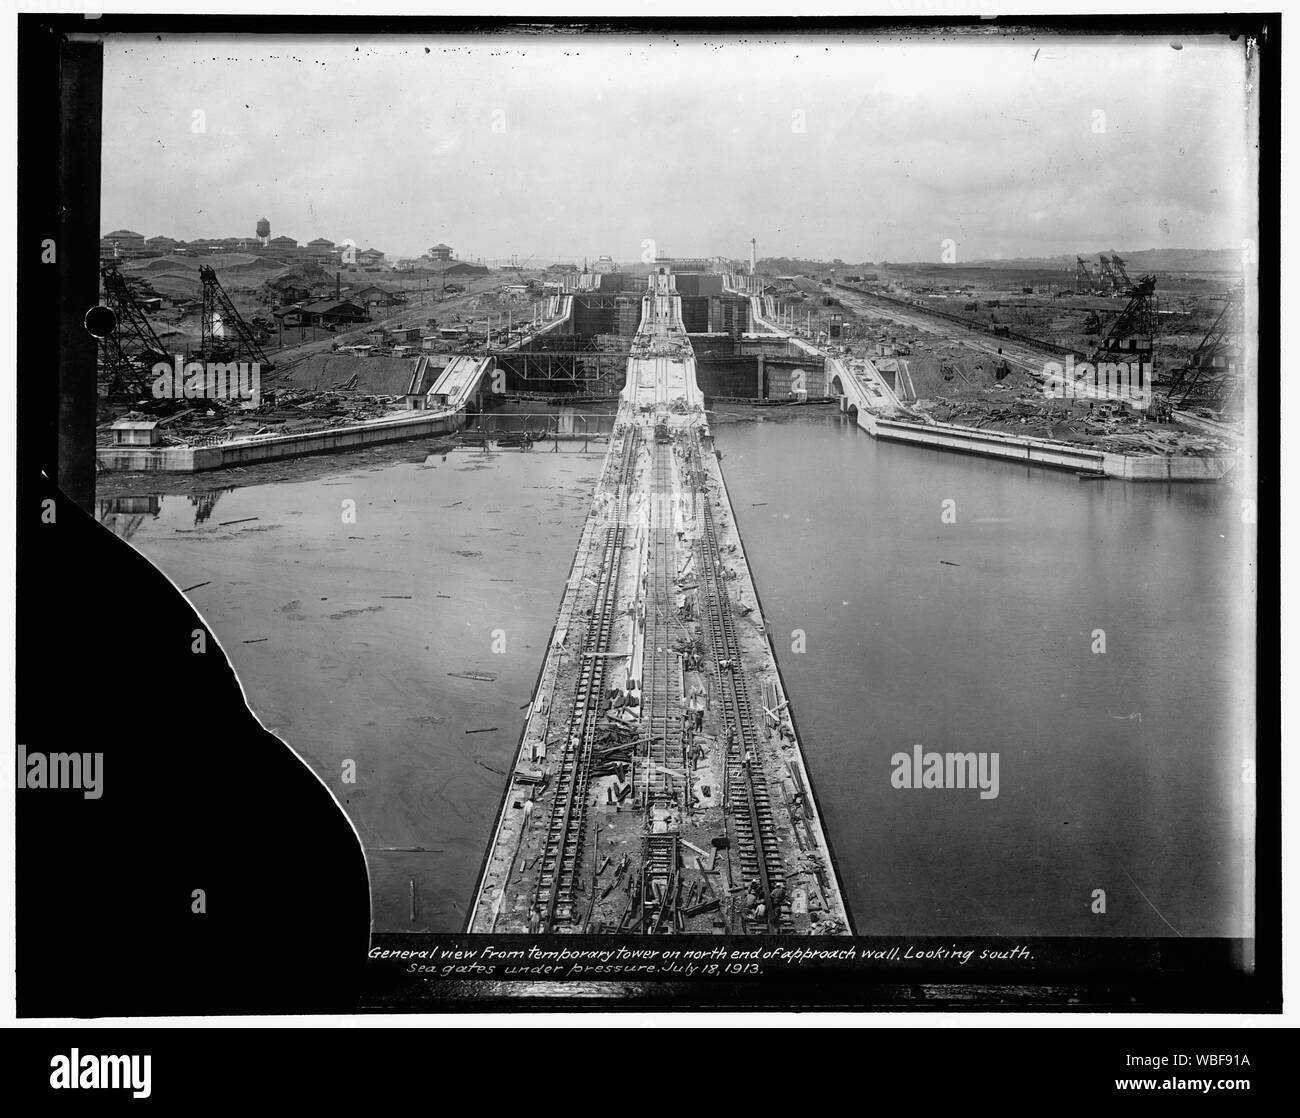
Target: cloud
(557, 146)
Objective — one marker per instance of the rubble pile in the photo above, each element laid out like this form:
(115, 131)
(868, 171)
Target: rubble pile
(1110, 427)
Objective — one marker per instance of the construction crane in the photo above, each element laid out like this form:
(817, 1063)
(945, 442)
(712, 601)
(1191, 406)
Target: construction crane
(1210, 377)
(226, 336)
(1083, 277)
(131, 350)
(1103, 272)
(518, 269)
(1131, 336)
(1121, 276)
(1109, 277)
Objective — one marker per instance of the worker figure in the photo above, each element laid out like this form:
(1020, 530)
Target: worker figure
(534, 920)
(778, 895)
(760, 912)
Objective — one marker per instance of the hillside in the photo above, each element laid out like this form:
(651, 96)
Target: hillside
(1135, 260)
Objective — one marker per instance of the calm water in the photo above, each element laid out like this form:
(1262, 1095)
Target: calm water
(1117, 772)
(347, 671)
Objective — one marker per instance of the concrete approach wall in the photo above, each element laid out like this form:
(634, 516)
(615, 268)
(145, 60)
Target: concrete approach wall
(758, 377)
(1043, 453)
(611, 283)
(713, 345)
(178, 459)
(695, 314)
(729, 314)
(697, 283)
(727, 376)
(628, 315)
(591, 319)
(775, 345)
(1153, 467)
(780, 376)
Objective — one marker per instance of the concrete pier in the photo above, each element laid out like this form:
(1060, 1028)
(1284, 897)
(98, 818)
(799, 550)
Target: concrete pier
(659, 785)
(269, 448)
(866, 394)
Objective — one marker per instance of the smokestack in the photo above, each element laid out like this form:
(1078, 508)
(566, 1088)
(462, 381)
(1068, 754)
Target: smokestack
(753, 256)
(338, 286)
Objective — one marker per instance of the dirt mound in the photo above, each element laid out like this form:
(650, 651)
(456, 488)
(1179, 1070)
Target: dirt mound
(164, 264)
(955, 371)
(176, 286)
(382, 376)
(241, 263)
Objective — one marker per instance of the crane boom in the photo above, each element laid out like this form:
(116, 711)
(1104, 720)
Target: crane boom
(1211, 374)
(127, 354)
(219, 317)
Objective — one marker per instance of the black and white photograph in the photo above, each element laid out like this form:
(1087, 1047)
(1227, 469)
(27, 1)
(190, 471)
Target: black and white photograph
(573, 515)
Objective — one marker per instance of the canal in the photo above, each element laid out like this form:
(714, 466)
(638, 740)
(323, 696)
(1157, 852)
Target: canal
(1119, 771)
(403, 632)
(407, 639)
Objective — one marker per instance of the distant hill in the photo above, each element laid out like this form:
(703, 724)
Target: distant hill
(178, 276)
(229, 262)
(1138, 260)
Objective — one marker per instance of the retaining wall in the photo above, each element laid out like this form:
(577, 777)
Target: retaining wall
(181, 459)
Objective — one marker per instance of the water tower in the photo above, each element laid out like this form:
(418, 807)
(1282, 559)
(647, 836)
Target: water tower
(263, 229)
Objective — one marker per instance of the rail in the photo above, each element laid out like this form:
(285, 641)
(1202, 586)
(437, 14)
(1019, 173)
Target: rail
(561, 858)
(973, 324)
(664, 750)
(747, 794)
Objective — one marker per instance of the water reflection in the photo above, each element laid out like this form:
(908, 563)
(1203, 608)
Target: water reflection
(123, 516)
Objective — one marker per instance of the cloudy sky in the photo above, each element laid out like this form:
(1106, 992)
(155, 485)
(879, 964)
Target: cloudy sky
(559, 146)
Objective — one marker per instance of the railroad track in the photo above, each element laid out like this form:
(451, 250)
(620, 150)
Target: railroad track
(627, 465)
(1017, 353)
(661, 882)
(748, 798)
(665, 757)
(554, 895)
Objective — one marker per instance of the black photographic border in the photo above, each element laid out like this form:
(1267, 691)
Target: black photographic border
(60, 71)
